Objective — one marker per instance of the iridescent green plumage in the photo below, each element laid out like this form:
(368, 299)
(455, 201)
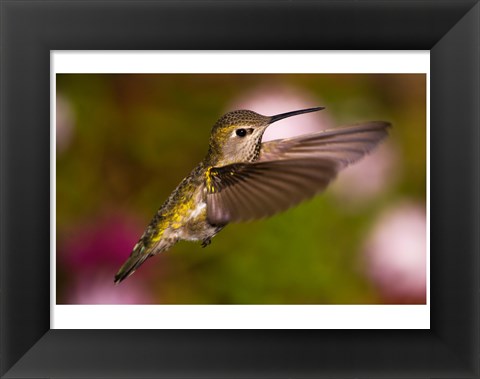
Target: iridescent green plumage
(242, 178)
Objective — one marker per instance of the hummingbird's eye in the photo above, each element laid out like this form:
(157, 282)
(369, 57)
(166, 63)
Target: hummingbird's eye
(241, 132)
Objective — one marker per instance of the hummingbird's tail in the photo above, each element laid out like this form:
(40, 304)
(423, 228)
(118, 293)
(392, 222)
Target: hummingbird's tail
(137, 257)
(141, 252)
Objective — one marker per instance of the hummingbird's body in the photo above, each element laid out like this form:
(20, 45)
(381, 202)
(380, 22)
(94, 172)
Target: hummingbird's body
(242, 179)
(183, 216)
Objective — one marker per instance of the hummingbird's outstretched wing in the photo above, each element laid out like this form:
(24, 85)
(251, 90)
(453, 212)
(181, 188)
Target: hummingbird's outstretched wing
(345, 145)
(247, 191)
(288, 171)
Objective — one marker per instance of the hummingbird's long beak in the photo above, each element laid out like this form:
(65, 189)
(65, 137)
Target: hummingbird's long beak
(281, 116)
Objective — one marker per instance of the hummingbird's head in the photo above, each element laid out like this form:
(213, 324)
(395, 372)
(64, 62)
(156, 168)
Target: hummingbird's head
(237, 135)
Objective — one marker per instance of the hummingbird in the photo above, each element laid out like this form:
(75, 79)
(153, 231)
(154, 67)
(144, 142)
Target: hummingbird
(242, 178)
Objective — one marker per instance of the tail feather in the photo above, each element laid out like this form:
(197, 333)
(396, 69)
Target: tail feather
(141, 252)
(137, 257)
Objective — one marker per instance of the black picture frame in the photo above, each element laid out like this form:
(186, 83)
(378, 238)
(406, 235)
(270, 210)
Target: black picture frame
(30, 29)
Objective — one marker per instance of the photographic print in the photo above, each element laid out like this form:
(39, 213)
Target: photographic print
(241, 188)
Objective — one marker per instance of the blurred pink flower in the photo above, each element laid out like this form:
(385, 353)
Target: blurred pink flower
(395, 254)
(89, 256)
(276, 99)
(105, 241)
(368, 178)
(65, 122)
(99, 289)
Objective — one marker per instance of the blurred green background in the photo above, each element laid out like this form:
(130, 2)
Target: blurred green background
(124, 141)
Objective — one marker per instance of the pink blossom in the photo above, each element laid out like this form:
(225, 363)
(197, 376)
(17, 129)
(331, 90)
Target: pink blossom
(365, 180)
(98, 288)
(395, 254)
(104, 241)
(272, 100)
(65, 123)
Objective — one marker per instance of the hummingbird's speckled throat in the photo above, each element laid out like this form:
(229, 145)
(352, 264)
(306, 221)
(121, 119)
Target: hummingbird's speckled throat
(243, 179)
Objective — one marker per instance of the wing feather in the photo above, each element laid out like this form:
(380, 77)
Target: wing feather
(345, 145)
(257, 190)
